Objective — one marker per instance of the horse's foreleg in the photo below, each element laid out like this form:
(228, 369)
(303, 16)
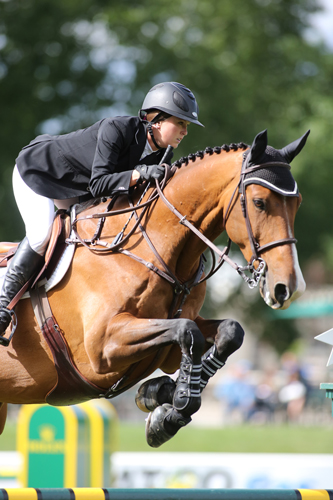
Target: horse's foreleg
(132, 340)
(3, 416)
(129, 340)
(227, 336)
(167, 419)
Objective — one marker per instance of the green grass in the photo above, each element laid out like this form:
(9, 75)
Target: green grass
(240, 439)
(8, 437)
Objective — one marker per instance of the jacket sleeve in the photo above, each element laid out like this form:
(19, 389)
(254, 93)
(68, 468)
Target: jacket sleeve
(105, 180)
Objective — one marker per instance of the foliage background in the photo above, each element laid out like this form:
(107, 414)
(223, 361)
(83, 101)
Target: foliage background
(252, 64)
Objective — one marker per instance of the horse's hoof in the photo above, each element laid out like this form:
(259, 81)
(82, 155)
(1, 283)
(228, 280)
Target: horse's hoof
(154, 392)
(156, 433)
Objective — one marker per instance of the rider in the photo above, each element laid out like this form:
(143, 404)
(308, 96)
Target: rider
(106, 158)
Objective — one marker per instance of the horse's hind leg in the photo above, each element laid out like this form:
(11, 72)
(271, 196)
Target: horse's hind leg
(155, 392)
(3, 416)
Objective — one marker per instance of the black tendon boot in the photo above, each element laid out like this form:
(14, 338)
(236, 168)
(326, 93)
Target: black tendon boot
(23, 266)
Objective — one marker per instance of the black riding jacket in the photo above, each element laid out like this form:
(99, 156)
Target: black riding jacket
(91, 162)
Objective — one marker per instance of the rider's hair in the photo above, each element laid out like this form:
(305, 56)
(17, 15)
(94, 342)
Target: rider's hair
(154, 116)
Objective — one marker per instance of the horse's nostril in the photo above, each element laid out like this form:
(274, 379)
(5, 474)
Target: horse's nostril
(281, 293)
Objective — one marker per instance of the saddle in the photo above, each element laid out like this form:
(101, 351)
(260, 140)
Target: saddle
(60, 232)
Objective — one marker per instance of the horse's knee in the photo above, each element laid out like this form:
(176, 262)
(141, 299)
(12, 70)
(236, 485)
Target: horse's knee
(229, 338)
(190, 339)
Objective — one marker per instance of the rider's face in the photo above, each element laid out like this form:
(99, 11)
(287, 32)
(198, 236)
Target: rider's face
(170, 131)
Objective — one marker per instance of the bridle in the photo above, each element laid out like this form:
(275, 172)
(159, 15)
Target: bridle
(182, 289)
(256, 248)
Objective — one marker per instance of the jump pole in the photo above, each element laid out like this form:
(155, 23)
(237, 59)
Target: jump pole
(161, 494)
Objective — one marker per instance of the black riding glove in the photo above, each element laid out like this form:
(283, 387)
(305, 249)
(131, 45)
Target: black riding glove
(150, 172)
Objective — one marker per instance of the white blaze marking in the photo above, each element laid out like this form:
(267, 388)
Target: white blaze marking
(300, 283)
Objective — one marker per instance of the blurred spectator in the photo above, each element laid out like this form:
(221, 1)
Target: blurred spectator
(264, 405)
(267, 396)
(293, 396)
(237, 392)
(294, 393)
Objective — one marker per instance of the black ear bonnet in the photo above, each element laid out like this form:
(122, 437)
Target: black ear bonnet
(276, 178)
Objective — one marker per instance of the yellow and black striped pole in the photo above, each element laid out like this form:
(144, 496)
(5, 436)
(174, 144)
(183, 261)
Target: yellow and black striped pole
(161, 494)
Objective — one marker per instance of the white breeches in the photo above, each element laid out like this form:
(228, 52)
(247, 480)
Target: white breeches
(37, 212)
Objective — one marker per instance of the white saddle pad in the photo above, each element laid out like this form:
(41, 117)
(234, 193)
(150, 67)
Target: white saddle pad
(57, 275)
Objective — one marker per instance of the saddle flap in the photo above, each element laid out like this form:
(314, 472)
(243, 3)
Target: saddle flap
(60, 231)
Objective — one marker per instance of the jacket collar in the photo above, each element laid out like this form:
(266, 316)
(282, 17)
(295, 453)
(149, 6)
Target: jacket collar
(136, 149)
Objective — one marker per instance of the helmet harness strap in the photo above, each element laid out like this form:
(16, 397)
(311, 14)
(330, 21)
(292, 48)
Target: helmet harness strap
(150, 130)
(156, 119)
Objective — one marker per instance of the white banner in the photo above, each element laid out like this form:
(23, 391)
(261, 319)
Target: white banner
(222, 470)
(204, 470)
(10, 467)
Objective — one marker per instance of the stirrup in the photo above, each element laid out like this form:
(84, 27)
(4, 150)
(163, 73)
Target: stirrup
(5, 341)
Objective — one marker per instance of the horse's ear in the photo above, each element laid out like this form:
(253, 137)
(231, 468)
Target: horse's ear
(289, 152)
(258, 147)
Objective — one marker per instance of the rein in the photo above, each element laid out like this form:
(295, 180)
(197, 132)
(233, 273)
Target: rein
(183, 289)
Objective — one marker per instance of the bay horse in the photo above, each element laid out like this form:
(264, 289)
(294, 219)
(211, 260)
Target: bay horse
(131, 304)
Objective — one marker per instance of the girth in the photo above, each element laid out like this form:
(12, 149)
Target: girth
(71, 386)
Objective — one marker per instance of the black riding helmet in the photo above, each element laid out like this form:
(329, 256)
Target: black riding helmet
(172, 98)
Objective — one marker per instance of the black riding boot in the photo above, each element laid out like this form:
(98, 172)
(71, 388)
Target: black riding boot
(25, 263)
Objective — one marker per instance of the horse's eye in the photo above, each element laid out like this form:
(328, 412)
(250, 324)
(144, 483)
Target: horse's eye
(260, 204)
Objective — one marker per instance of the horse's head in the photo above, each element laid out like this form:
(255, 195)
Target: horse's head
(263, 223)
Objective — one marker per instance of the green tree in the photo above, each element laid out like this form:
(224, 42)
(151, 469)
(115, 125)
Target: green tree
(45, 70)
(64, 65)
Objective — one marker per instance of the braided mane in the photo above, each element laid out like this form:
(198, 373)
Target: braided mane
(177, 164)
(217, 149)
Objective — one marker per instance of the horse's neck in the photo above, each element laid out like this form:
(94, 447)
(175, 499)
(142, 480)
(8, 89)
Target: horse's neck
(201, 191)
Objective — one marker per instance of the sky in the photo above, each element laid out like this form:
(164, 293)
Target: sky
(323, 23)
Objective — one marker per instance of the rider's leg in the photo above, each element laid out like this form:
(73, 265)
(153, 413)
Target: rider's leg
(37, 213)
(25, 263)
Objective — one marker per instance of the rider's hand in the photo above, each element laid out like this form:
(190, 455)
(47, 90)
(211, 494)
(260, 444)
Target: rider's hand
(150, 172)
